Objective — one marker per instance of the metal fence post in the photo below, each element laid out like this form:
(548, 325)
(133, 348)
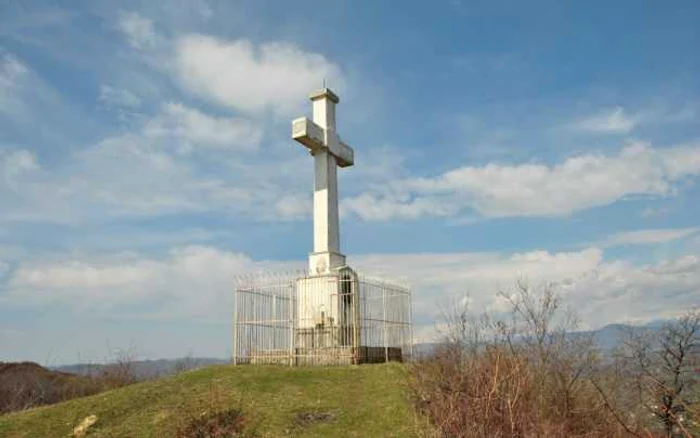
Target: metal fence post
(386, 339)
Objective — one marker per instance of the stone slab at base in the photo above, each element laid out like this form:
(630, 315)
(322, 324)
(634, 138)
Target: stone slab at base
(326, 356)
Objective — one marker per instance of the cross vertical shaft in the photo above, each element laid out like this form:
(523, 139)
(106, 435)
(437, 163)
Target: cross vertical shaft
(329, 152)
(326, 223)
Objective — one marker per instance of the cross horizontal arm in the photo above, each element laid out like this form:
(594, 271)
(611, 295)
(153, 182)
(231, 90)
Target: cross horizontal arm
(312, 136)
(343, 153)
(307, 133)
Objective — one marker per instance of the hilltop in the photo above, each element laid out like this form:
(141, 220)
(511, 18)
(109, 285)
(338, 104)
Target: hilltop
(144, 369)
(24, 384)
(369, 400)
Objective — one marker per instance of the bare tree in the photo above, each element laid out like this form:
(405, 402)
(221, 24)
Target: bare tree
(541, 329)
(119, 369)
(525, 373)
(663, 366)
(463, 330)
(185, 363)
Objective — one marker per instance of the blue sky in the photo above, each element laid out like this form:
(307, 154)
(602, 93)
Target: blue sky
(145, 159)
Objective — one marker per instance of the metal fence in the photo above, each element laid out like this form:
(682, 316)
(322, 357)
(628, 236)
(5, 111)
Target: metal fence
(334, 319)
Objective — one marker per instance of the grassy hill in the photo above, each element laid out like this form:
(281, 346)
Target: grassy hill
(364, 401)
(26, 384)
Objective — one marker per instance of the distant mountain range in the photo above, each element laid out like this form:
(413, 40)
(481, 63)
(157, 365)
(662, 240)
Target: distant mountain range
(145, 369)
(606, 338)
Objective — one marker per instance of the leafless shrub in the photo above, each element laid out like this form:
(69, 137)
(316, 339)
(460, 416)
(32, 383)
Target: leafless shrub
(226, 423)
(523, 375)
(119, 370)
(185, 364)
(663, 367)
(215, 418)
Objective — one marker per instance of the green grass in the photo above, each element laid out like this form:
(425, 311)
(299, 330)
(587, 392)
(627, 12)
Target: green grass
(366, 401)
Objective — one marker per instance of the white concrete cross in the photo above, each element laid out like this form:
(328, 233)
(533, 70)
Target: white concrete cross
(320, 137)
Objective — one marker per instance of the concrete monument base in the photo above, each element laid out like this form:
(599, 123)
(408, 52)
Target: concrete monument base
(327, 356)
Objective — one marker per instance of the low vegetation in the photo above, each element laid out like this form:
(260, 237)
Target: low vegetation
(530, 374)
(267, 401)
(24, 385)
(224, 423)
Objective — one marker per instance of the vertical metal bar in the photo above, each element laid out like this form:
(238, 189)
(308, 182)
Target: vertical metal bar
(356, 344)
(235, 321)
(386, 341)
(291, 291)
(410, 324)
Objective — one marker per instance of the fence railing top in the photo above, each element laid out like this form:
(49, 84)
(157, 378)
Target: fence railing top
(281, 277)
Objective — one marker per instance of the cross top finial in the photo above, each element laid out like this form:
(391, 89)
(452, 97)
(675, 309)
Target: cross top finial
(324, 92)
(320, 134)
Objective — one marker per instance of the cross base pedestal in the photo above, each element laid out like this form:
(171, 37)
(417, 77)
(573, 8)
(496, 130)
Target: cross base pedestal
(321, 263)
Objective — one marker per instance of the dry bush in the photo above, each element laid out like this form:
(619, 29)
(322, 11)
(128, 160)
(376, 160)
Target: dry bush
(118, 373)
(662, 377)
(119, 370)
(219, 424)
(214, 417)
(498, 393)
(524, 375)
(486, 394)
(186, 363)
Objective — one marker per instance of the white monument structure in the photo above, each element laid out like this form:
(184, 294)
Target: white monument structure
(320, 137)
(329, 315)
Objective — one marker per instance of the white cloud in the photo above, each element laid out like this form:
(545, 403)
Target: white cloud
(496, 190)
(600, 291)
(620, 291)
(239, 74)
(12, 74)
(111, 96)
(138, 30)
(610, 121)
(294, 206)
(202, 130)
(387, 207)
(10, 70)
(181, 160)
(156, 174)
(645, 237)
(439, 277)
(77, 275)
(192, 281)
(655, 211)
(15, 163)
(680, 161)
